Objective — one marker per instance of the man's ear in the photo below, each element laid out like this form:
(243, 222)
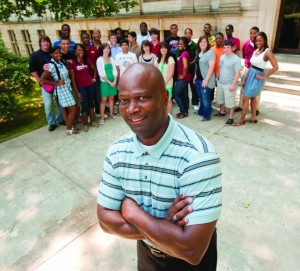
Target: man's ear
(166, 96)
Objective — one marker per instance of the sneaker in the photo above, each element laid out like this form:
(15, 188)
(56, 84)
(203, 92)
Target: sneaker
(229, 122)
(101, 122)
(196, 107)
(85, 128)
(257, 112)
(97, 115)
(204, 119)
(237, 109)
(52, 127)
(95, 124)
(105, 116)
(219, 114)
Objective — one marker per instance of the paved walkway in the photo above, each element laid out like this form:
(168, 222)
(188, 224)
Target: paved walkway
(48, 185)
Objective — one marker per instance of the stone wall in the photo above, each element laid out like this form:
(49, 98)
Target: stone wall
(241, 14)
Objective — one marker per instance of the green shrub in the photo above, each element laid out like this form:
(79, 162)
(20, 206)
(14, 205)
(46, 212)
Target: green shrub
(15, 80)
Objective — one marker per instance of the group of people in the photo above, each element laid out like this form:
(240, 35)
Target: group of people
(85, 75)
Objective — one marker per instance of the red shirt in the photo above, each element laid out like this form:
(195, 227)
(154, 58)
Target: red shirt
(81, 72)
(155, 48)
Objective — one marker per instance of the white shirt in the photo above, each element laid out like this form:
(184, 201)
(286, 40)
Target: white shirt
(123, 61)
(140, 38)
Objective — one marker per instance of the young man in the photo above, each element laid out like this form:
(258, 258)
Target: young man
(144, 35)
(92, 55)
(173, 40)
(96, 36)
(65, 50)
(218, 49)
(188, 32)
(133, 45)
(247, 51)
(229, 73)
(37, 61)
(207, 32)
(155, 43)
(161, 183)
(114, 47)
(125, 58)
(119, 34)
(236, 42)
(65, 33)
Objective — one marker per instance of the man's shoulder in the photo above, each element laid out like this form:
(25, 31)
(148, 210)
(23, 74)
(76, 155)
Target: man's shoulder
(124, 142)
(192, 141)
(56, 42)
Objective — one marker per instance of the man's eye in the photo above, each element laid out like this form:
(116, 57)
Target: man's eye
(143, 98)
(123, 101)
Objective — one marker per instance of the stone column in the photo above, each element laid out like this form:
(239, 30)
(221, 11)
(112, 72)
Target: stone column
(187, 6)
(202, 6)
(267, 20)
(230, 5)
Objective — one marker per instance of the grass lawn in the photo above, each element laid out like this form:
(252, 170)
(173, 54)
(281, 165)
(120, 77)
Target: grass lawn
(31, 117)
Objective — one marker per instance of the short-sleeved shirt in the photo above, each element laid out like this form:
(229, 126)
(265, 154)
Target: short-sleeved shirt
(173, 44)
(125, 60)
(66, 57)
(37, 60)
(236, 42)
(136, 50)
(165, 70)
(155, 48)
(247, 50)
(188, 76)
(229, 65)
(115, 50)
(182, 161)
(81, 72)
(219, 51)
(72, 45)
(140, 38)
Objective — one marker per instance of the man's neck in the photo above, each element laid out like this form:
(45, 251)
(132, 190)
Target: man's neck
(64, 52)
(144, 34)
(208, 35)
(154, 42)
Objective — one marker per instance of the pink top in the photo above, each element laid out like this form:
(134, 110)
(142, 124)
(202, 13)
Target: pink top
(236, 42)
(82, 75)
(184, 54)
(247, 49)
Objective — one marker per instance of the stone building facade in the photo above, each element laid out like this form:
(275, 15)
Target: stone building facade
(22, 38)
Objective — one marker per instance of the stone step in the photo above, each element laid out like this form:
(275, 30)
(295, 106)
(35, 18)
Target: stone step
(288, 58)
(284, 79)
(286, 69)
(282, 88)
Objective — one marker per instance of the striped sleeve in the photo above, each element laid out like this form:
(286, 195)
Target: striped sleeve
(201, 180)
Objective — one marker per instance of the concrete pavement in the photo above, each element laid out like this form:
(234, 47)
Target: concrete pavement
(49, 181)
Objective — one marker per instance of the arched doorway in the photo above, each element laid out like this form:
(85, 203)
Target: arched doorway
(288, 32)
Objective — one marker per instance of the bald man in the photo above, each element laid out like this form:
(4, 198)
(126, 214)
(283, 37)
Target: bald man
(161, 183)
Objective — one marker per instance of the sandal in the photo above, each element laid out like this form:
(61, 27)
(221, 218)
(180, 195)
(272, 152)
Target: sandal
(239, 123)
(72, 132)
(113, 116)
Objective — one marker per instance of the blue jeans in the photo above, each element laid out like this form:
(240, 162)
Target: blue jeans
(88, 98)
(181, 96)
(48, 106)
(205, 100)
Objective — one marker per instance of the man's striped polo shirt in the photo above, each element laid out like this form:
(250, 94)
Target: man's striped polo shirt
(181, 162)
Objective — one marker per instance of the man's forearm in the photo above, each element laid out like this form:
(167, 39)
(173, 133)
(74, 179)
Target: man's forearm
(112, 222)
(187, 243)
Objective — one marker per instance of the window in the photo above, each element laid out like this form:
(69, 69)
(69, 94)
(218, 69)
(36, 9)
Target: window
(41, 32)
(90, 32)
(13, 41)
(27, 41)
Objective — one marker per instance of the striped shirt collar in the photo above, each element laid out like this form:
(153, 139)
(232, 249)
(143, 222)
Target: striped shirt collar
(159, 148)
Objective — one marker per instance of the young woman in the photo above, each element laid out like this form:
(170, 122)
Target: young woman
(83, 83)
(147, 56)
(63, 90)
(204, 76)
(166, 64)
(108, 75)
(184, 77)
(256, 77)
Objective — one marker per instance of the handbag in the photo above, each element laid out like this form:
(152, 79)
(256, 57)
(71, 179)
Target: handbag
(50, 88)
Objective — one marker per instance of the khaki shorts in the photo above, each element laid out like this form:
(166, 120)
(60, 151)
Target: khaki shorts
(225, 96)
